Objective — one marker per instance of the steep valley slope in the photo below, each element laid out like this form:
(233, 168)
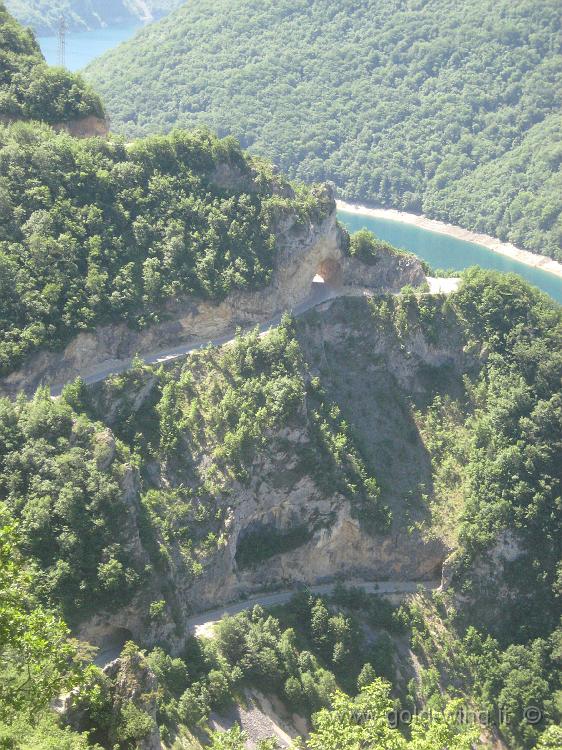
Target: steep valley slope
(362, 440)
(329, 477)
(306, 245)
(296, 496)
(429, 106)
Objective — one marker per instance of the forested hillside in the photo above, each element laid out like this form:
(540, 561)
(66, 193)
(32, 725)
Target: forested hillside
(124, 496)
(390, 437)
(43, 16)
(30, 89)
(94, 231)
(448, 108)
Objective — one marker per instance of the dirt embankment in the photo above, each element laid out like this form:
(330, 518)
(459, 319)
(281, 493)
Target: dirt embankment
(83, 127)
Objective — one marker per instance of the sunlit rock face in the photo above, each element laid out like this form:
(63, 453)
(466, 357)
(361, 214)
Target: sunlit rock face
(373, 376)
(303, 253)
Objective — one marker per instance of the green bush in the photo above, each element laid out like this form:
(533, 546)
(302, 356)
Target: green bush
(31, 90)
(367, 248)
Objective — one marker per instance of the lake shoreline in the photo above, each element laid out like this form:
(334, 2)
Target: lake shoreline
(542, 262)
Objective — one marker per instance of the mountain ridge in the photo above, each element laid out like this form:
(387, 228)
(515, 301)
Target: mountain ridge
(427, 108)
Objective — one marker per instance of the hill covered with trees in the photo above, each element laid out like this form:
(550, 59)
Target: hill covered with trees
(121, 497)
(30, 89)
(43, 16)
(448, 108)
(391, 436)
(95, 230)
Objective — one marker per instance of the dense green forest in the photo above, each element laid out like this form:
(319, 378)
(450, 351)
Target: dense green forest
(448, 108)
(62, 476)
(94, 231)
(423, 420)
(44, 15)
(30, 89)
(510, 449)
(495, 445)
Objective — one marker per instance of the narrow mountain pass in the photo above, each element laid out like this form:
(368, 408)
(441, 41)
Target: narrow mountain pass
(320, 293)
(202, 624)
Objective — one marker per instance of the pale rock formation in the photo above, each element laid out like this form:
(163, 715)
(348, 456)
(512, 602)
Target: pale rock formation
(302, 253)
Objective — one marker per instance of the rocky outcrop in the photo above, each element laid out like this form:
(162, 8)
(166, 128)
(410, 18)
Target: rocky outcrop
(128, 693)
(85, 127)
(281, 496)
(303, 252)
(134, 691)
(489, 566)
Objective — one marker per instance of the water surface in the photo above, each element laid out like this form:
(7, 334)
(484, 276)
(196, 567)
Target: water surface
(83, 46)
(443, 251)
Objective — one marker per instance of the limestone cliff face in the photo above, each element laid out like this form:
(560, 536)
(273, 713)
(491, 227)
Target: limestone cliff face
(488, 589)
(302, 252)
(372, 376)
(281, 497)
(85, 127)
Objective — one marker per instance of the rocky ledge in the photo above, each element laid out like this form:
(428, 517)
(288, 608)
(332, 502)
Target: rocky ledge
(302, 253)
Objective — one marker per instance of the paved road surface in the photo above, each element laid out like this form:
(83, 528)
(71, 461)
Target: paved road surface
(202, 624)
(320, 293)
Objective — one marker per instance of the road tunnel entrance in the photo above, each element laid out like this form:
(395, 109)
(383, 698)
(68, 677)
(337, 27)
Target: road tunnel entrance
(327, 280)
(329, 272)
(111, 645)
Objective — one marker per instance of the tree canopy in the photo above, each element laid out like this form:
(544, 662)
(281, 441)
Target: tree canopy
(30, 89)
(423, 105)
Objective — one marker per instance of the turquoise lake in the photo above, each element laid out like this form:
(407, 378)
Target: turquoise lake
(83, 46)
(442, 251)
